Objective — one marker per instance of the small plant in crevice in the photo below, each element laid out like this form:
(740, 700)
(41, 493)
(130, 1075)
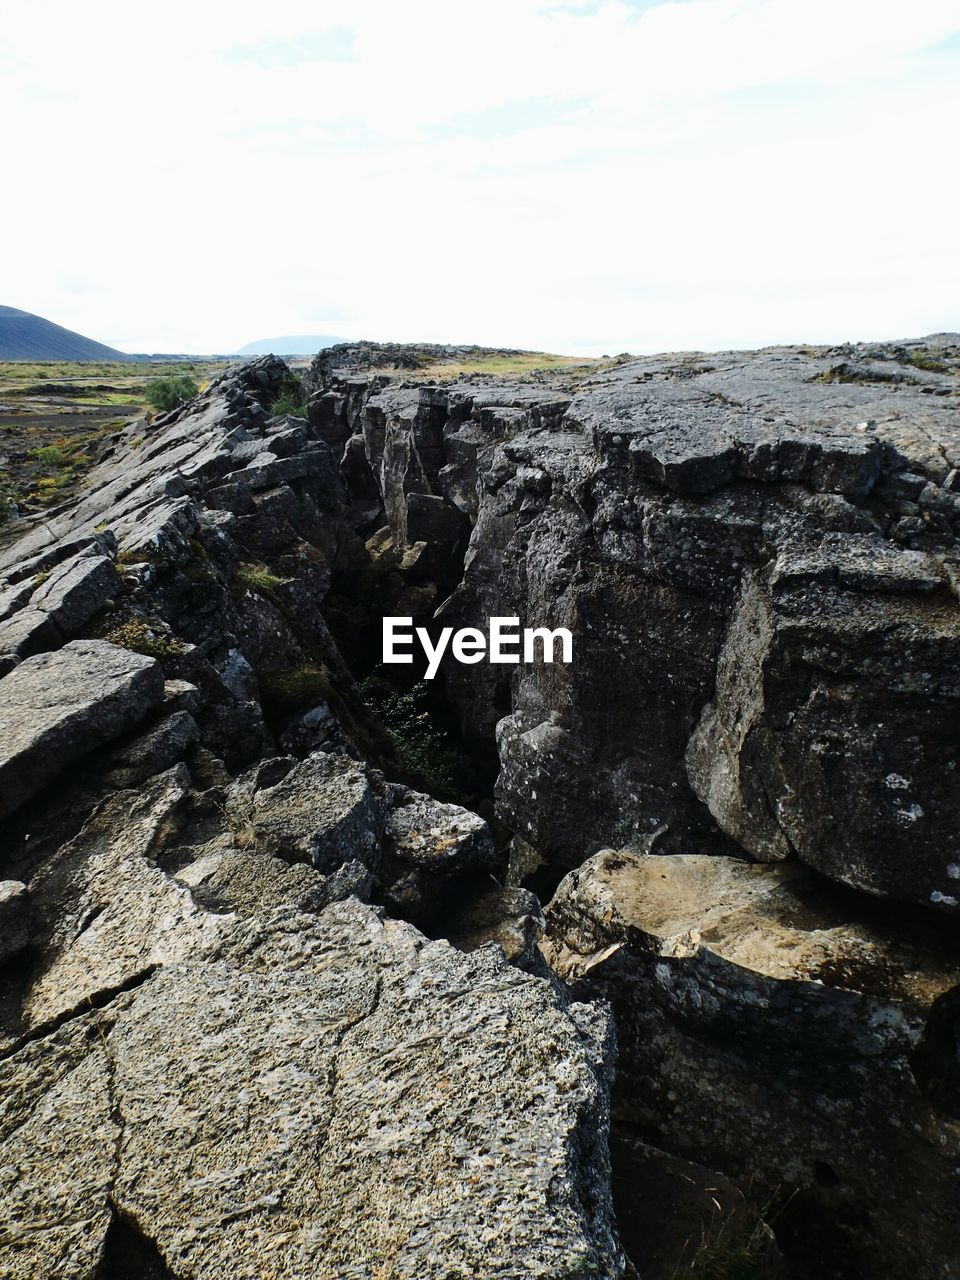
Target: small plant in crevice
(744, 1248)
(258, 579)
(137, 635)
(289, 399)
(428, 759)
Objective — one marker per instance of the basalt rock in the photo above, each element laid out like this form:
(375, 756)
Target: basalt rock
(782, 1034)
(758, 561)
(224, 1055)
(56, 707)
(283, 1104)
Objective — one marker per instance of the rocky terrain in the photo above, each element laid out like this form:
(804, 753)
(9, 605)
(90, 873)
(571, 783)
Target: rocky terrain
(643, 965)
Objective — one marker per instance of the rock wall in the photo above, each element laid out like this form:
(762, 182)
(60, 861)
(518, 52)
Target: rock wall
(759, 559)
(210, 841)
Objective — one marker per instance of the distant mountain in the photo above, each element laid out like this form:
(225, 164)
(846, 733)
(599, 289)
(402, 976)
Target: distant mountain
(28, 337)
(301, 344)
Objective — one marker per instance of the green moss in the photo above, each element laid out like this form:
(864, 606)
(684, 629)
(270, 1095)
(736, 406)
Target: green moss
(138, 635)
(257, 578)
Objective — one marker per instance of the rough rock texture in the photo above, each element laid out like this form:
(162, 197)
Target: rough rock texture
(222, 1063)
(15, 918)
(767, 1032)
(56, 707)
(428, 847)
(324, 811)
(757, 555)
(326, 1095)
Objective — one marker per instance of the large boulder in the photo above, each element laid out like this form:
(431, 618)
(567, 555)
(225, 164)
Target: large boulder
(329, 1096)
(56, 707)
(771, 1028)
(836, 712)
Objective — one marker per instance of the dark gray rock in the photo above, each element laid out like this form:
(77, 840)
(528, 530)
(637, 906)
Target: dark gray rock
(28, 632)
(157, 749)
(641, 513)
(56, 707)
(510, 918)
(77, 590)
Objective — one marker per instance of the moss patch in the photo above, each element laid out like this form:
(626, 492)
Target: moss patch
(139, 636)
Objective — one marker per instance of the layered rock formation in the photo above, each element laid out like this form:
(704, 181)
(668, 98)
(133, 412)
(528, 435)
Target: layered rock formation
(231, 1049)
(759, 560)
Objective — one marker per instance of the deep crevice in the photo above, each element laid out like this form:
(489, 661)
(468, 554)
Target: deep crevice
(128, 1254)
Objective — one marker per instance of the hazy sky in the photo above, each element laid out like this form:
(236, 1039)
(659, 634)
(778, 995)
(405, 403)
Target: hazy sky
(576, 177)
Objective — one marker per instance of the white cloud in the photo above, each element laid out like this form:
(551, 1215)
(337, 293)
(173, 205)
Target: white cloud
(706, 173)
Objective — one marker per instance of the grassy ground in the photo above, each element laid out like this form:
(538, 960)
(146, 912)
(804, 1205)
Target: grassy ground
(521, 364)
(55, 417)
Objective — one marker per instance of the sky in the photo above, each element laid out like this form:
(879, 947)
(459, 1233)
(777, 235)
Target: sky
(579, 177)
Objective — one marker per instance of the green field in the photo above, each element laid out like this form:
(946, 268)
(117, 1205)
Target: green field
(56, 417)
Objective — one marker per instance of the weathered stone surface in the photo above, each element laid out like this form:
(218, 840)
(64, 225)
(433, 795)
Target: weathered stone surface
(59, 1134)
(15, 918)
(76, 590)
(758, 556)
(768, 1032)
(645, 513)
(157, 749)
(28, 632)
(56, 707)
(324, 811)
(427, 846)
(286, 1105)
(106, 914)
(797, 744)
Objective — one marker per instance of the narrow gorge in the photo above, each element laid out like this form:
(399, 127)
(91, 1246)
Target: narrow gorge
(642, 965)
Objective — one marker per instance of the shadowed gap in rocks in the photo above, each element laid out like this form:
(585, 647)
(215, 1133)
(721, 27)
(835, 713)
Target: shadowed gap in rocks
(130, 1255)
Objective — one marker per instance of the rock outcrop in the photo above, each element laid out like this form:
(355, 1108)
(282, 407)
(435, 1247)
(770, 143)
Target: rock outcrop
(323, 1095)
(277, 995)
(770, 1031)
(758, 557)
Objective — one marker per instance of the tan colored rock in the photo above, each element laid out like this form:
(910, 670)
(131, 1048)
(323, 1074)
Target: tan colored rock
(328, 1096)
(772, 1026)
(107, 914)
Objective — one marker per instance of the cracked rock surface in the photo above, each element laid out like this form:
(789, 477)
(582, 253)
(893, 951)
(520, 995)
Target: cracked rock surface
(324, 1095)
(279, 996)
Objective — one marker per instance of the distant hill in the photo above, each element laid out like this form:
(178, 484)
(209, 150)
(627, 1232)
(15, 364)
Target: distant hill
(301, 344)
(28, 337)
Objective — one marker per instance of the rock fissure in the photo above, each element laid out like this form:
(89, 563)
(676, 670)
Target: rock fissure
(764, 691)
